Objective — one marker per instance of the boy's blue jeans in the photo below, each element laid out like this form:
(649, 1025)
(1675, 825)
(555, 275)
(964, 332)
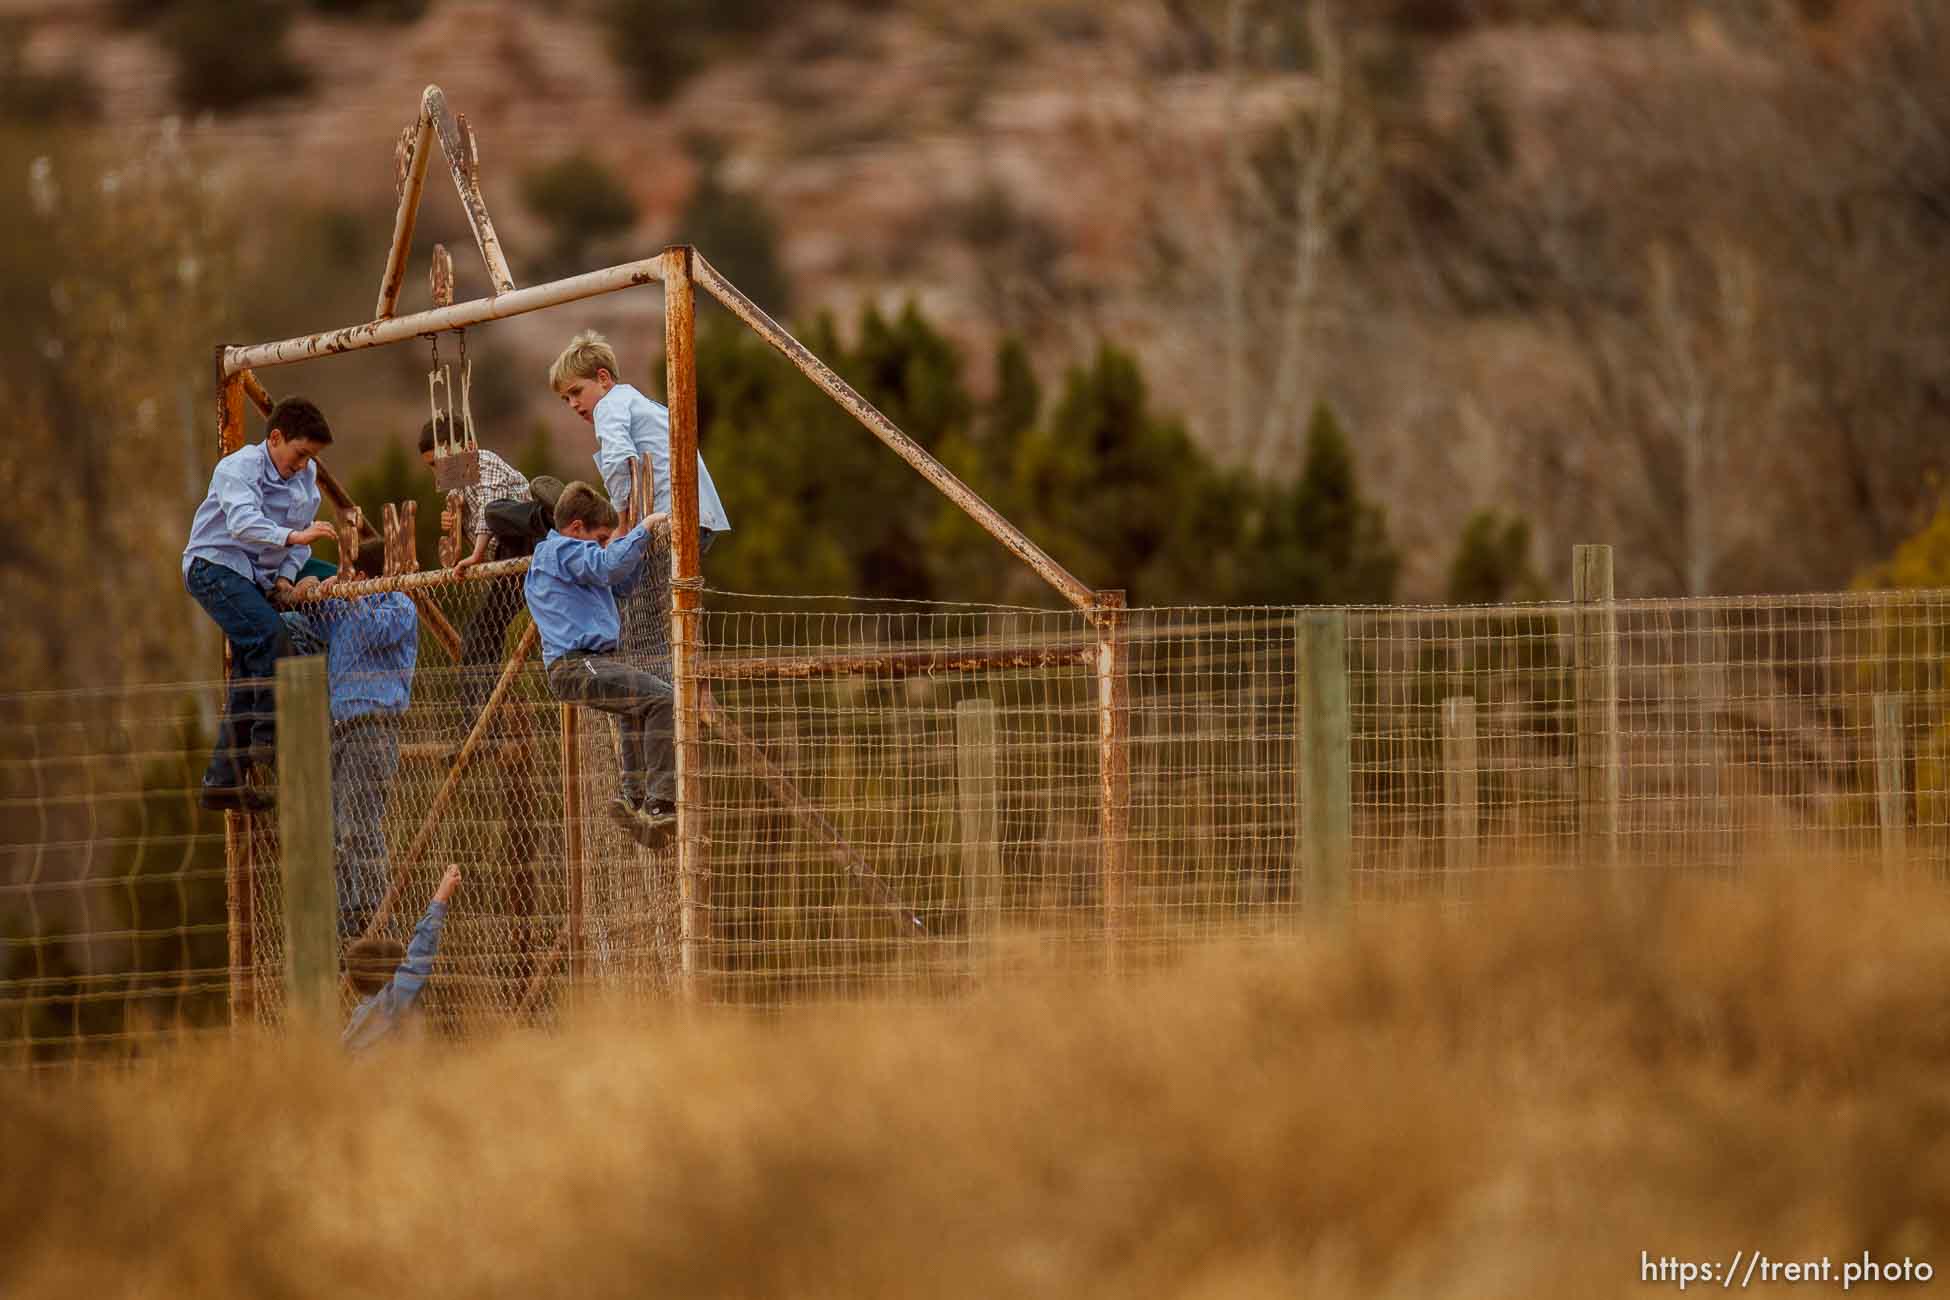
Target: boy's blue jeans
(258, 641)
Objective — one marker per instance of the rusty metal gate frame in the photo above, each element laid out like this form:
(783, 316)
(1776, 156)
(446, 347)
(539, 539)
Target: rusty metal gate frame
(681, 270)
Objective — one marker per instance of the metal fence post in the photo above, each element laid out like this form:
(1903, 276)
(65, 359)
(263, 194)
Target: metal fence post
(1326, 786)
(1594, 650)
(1891, 810)
(239, 885)
(686, 647)
(981, 847)
(311, 894)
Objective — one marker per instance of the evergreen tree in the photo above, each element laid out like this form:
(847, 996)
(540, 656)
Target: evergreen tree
(1492, 563)
(398, 476)
(832, 509)
(1018, 397)
(736, 235)
(1323, 544)
(583, 204)
(537, 456)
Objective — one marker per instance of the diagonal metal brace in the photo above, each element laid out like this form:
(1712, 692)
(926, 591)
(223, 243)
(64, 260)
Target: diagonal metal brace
(871, 882)
(445, 795)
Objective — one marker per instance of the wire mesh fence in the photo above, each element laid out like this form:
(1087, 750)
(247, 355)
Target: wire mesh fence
(881, 792)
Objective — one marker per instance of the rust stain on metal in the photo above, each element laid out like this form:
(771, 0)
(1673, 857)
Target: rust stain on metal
(239, 907)
(399, 329)
(392, 567)
(255, 391)
(903, 663)
(451, 546)
(417, 582)
(409, 536)
(888, 432)
(680, 392)
(410, 174)
(230, 411)
(440, 276)
(464, 160)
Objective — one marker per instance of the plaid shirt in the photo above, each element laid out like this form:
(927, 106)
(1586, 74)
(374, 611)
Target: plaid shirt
(500, 481)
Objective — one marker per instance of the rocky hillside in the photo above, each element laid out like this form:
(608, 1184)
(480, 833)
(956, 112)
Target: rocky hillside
(1535, 263)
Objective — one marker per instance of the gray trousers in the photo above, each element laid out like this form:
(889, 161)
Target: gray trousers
(365, 759)
(646, 754)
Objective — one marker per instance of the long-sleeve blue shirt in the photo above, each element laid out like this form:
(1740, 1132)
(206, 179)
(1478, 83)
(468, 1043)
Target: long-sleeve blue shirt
(371, 647)
(630, 425)
(380, 1014)
(571, 589)
(250, 510)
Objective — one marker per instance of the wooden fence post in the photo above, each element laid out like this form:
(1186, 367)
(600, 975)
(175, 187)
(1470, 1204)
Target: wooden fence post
(1326, 789)
(1114, 770)
(981, 847)
(1459, 810)
(1892, 813)
(1594, 651)
(311, 894)
(574, 902)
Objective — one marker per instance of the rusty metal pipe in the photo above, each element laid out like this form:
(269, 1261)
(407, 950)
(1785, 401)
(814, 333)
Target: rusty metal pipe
(412, 184)
(464, 160)
(899, 663)
(991, 520)
(379, 333)
(414, 581)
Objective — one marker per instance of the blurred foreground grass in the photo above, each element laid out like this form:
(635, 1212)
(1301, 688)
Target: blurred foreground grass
(1512, 1101)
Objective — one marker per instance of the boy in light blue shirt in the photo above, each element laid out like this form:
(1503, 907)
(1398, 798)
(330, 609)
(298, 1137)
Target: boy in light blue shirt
(631, 427)
(372, 644)
(247, 542)
(572, 584)
(388, 977)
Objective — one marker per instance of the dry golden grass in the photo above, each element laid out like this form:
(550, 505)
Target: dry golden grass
(1513, 1102)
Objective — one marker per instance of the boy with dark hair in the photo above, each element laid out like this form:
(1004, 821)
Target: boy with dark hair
(500, 481)
(388, 977)
(247, 542)
(486, 629)
(572, 586)
(372, 644)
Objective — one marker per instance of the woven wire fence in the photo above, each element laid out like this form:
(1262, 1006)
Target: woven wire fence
(113, 930)
(886, 796)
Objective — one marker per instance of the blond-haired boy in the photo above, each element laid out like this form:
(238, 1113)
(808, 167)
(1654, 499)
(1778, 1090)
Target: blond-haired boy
(629, 426)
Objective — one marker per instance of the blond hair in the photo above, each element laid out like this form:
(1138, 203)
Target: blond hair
(587, 353)
(582, 504)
